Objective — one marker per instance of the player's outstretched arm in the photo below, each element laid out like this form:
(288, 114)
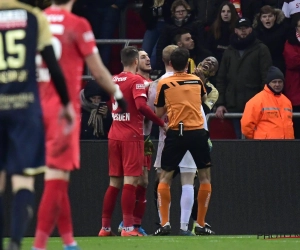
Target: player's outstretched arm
(146, 111)
(104, 78)
(60, 85)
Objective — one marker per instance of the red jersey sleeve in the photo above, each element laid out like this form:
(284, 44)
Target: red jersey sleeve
(138, 87)
(85, 38)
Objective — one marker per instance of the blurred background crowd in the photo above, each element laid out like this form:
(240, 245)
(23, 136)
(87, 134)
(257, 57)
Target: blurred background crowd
(268, 35)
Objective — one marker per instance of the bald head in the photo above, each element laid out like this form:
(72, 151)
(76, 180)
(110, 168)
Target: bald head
(166, 54)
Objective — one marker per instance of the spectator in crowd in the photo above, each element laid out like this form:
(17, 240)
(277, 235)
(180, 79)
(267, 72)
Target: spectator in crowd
(183, 39)
(268, 115)
(154, 13)
(104, 17)
(221, 29)
(209, 67)
(205, 11)
(251, 7)
(242, 72)
(181, 18)
(291, 9)
(291, 55)
(271, 28)
(95, 117)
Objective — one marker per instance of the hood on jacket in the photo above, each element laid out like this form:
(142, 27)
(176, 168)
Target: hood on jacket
(279, 18)
(92, 88)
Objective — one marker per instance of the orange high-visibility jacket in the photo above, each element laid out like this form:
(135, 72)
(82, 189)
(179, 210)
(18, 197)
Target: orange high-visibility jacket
(268, 116)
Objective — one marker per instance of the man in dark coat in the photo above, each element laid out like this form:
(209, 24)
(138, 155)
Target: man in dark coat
(242, 72)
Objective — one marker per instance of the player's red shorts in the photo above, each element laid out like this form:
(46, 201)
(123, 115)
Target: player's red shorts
(62, 152)
(147, 161)
(125, 158)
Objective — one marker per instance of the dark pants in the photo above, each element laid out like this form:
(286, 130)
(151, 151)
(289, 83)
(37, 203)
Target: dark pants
(237, 127)
(104, 22)
(296, 121)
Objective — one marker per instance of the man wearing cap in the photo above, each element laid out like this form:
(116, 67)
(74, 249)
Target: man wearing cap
(242, 72)
(268, 115)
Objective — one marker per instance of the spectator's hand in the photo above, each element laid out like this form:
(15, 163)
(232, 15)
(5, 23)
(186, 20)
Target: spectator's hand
(103, 110)
(67, 115)
(220, 112)
(198, 72)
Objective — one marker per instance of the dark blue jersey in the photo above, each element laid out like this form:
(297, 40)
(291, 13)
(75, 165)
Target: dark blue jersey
(23, 32)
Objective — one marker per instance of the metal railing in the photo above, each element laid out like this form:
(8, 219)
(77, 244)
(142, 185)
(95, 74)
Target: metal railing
(126, 42)
(210, 116)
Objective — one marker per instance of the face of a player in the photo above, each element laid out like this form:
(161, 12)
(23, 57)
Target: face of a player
(210, 65)
(268, 20)
(95, 99)
(243, 32)
(226, 13)
(276, 85)
(186, 42)
(144, 62)
(180, 12)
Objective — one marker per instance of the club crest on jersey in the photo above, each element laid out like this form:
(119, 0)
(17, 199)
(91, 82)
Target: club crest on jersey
(140, 86)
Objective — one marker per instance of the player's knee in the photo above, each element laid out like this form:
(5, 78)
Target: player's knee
(166, 177)
(115, 182)
(22, 182)
(2, 182)
(54, 174)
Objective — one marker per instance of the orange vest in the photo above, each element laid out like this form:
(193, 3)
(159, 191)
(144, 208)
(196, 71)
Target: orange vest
(268, 116)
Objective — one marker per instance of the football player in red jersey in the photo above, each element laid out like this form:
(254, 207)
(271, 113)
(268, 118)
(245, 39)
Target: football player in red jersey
(126, 144)
(74, 44)
(144, 69)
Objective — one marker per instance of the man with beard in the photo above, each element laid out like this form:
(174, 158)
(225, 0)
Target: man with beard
(242, 72)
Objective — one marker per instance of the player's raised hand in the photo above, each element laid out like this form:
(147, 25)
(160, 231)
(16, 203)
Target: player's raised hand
(67, 114)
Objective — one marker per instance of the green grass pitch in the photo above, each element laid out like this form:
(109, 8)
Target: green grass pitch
(174, 243)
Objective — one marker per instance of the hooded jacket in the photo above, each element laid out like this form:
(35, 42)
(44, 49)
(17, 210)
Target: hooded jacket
(268, 116)
(274, 38)
(241, 77)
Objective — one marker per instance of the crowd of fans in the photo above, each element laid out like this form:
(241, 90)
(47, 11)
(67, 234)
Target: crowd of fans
(272, 30)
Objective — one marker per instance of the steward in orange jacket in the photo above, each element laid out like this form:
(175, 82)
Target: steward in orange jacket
(268, 115)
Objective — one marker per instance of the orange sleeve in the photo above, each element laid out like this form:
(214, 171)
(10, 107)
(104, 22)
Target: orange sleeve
(251, 117)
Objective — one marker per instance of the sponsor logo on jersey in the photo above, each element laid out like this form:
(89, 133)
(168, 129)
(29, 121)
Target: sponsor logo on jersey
(13, 19)
(88, 36)
(55, 18)
(119, 79)
(140, 86)
(121, 117)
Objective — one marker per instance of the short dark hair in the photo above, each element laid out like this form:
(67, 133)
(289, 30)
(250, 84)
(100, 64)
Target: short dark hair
(128, 55)
(179, 34)
(179, 59)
